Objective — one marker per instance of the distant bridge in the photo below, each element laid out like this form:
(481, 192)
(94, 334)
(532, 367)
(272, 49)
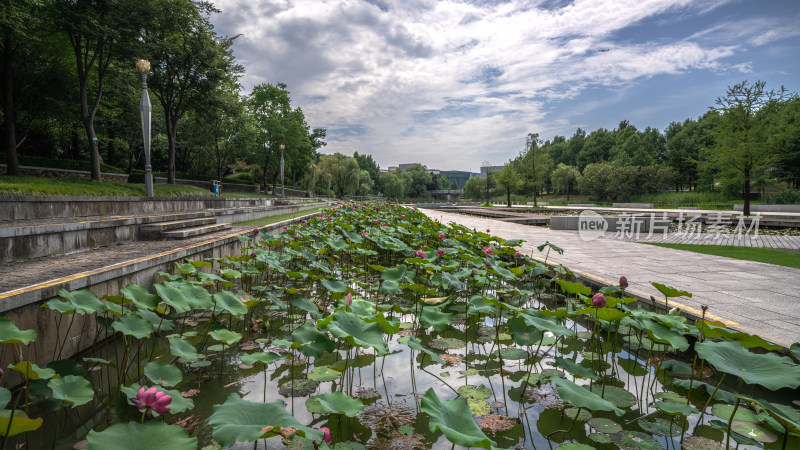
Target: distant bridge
(449, 195)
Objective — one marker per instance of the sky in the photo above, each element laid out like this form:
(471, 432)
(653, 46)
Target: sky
(452, 84)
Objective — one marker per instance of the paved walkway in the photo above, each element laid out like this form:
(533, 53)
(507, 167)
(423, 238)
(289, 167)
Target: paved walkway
(756, 298)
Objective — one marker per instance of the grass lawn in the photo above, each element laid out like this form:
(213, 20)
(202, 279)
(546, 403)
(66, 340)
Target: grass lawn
(278, 218)
(85, 186)
(764, 255)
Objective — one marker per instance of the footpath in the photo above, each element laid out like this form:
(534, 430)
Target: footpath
(753, 297)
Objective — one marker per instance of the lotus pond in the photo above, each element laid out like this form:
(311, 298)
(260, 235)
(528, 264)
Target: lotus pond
(371, 326)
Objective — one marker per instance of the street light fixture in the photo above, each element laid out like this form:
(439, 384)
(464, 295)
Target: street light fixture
(143, 67)
(283, 186)
(313, 181)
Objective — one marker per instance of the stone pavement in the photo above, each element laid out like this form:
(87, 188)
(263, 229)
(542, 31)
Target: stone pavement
(753, 297)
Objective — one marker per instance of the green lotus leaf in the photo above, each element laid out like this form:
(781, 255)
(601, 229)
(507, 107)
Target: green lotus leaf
(140, 296)
(663, 334)
(575, 446)
(717, 329)
(267, 358)
(389, 326)
(607, 314)
(18, 424)
(434, 317)
(453, 419)
(555, 248)
(720, 394)
(574, 288)
(159, 323)
(768, 370)
(307, 306)
(415, 344)
(754, 431)
(355, 331)
(659, 426)
(171, 294)
(581, 397)
(85, 301)
(133, 325)
(618, 396)
(324, 373)
(478, 407)
(512, 353)
(311, 341)
(632, 366)
(524, 334)
(183, 349)
(32, 371)
(599, 438)
(795, 349)
(225, 336)
(579, 414)
(673, 408)
(334, 403)
(334, 286)
(604, 425)
(784, 414)
(505, 273)
(480, 305)
(163, 374)
(136, 436)
(391, 287)
(72, 388)
(239, 420)
(230, 302)
(540, 321)
(10, 334)
(394, 274)
(60, 306)
(670, 291)
(701, 443)
(635, 440)
(576, 369)
(231, 274)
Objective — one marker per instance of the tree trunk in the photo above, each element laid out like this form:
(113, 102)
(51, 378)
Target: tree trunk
(746, 193)
(88, 124)
(172, 131)
(535, 205)
(508, 197)
(9, 140)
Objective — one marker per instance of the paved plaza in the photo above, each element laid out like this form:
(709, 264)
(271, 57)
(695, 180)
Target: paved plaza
(753, 297)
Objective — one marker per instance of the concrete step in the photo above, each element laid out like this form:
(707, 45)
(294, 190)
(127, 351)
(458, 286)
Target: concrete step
(196, 231)
(152, 231)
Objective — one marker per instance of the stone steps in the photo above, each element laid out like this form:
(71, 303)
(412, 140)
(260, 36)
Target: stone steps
(184, 233)
(156, 230)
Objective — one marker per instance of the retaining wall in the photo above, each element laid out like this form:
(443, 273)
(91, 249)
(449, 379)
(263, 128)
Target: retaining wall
(769, 208)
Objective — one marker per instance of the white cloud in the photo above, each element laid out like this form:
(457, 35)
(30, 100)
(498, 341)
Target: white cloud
(450, 83)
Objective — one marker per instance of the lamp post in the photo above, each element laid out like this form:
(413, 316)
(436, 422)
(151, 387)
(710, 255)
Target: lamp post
(313, 181)
(329, 186)
(143, 67)
(283, 186)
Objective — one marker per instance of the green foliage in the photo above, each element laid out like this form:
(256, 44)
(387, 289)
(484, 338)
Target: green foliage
(613, 181)
(133, 435)
(453, 418)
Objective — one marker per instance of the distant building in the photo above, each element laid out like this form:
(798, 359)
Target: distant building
(460, 177)
(392, 169)
(490, 169)
(404, 167)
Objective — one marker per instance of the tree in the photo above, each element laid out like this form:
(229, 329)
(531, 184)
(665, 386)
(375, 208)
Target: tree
(742, 148)
(596, 148)
(392, 185)
(474, 188)
(344, 173)
(417, 179)
(565, 178)
(96, 31)
(365, 162)
(509, 179)
(189, 61)
(270, 107)
(537, 164)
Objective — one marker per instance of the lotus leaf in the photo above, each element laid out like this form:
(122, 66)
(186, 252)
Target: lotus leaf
(140, 296)
(583, 398)
(576, 369)
(616, 395)
(720, 394)
(171, 294)
(434, 317)
(133, 325)
(724, 412)
(85, 301)
(660, 427)
(18, 424)
(10, 334)
(605, 425)
(324, 373)
(32, 371)
(351, 328)
(575, 446)
(239, 420)
(159, 323)
(753, 431)
(57, 305)
(600, 438)
(72, 388)
(298, 387)
(225, 336)
(512, 353)
(178, 404)
(265, 358)
(574, 288)
(768, 370)
(670, 291)
(134, 435)
(334, 403)
(632, 366)
(230, 302)
(675, 408)
(635, 440)
(5, 397)
(183, 349)
(663, 334)
(163, 374)
(453, 419)
(334, 286)
(701, 443)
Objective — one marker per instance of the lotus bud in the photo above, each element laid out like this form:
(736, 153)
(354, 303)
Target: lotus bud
(517, 255)
(349, 299)
(623, 282)
(442, 236)
(440, 252)
(326, 434)
(599, 300)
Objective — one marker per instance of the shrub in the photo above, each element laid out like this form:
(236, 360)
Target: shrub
(786, 197)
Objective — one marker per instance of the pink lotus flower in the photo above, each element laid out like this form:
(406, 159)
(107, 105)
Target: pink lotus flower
(517, 255)
(253, 255)
(442, 236)
(415, 207)
(440, 252)
(488, 251)
(348, 300)
(326, 434)
(363, 234)
(295, 237)
(383, 224)
(402, 217)
(285, 228)
(376, 221)
(330, 219)
(152, 399)
(623, 282)
(599, 300)
(420, 254)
